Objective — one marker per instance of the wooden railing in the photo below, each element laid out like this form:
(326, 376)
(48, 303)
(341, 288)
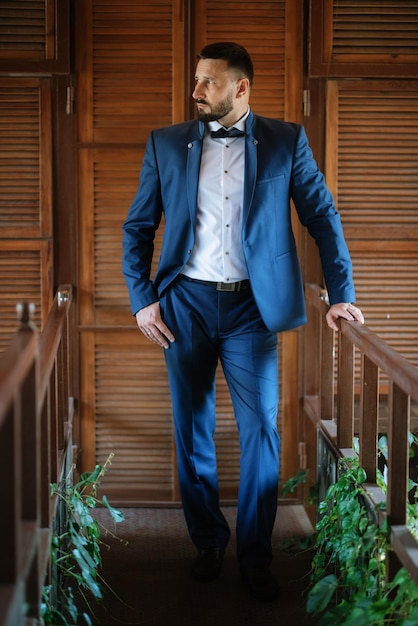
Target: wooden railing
(36, 411)
(349, 384)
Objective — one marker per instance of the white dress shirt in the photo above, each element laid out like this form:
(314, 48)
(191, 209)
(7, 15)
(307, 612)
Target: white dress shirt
(217, 254)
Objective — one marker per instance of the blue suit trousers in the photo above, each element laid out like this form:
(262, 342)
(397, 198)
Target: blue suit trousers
(213, 326)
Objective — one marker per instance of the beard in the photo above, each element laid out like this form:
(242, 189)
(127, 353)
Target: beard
(217, 112)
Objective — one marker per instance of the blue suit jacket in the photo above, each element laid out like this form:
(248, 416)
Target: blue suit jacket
(278, 166)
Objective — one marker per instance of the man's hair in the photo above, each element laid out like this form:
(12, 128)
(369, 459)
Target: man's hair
(235, 55)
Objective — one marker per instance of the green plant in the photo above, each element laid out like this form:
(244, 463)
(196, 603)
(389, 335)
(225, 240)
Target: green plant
(412, 505)
(349, 580)
(75, 550)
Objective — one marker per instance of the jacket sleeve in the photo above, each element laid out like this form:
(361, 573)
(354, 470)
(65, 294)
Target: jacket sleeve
(139, 229)
(316, 210)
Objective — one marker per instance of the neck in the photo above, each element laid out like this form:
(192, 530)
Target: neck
(233, 118)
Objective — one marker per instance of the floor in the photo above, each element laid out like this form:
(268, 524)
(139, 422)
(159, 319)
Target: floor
(147, 569)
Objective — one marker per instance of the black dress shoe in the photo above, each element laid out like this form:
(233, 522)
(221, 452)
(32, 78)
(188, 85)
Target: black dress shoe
(208, 564)
(261, 583)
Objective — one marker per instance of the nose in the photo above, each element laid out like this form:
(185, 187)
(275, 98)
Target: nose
(197, 91)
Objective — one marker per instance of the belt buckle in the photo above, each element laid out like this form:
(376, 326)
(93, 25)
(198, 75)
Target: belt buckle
(228, 286)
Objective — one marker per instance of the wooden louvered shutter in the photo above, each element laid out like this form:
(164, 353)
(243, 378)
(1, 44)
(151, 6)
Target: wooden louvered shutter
(125, 60)
(358, 38)
(132, 77)
(34, 36)
(25, 199)
(372, 164)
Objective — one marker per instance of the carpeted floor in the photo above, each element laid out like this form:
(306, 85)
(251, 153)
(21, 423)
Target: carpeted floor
(148, 568)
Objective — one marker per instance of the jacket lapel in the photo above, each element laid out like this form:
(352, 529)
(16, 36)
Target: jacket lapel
(194, 155)
(251, 144)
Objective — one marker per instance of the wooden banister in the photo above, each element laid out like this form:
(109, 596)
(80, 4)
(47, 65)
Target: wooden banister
(35, 433)
(332, 395)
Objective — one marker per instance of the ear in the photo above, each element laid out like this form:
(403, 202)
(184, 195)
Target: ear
(243, 87)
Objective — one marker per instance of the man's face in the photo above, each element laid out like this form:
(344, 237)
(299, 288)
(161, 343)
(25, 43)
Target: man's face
(215, 92)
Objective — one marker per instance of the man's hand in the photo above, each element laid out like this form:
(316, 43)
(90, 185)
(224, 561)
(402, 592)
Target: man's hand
(346, 310)
(152, 326)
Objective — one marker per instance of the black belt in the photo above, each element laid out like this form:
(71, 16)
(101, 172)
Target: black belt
(241, 285)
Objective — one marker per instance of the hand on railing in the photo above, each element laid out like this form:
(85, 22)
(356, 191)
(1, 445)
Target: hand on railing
(347, 311)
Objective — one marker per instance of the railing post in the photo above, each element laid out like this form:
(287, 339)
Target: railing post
(30, 436)
(45, 469)
(398, 455)
(398, 470)
(327, 371)
(369, 406)
(345, 392)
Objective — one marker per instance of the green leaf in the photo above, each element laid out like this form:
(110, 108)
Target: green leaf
(321, 594)
(87, 573)
(84, 514)
(90, 501)
(335, 615)
(83, 554)
(71, 607)
(291, 484)
(54, 617)
(89, 478)
(117, 515)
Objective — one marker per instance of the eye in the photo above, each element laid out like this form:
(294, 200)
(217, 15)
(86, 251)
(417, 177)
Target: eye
(204, 81)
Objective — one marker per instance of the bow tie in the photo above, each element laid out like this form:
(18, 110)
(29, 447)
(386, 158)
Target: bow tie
(222, 132)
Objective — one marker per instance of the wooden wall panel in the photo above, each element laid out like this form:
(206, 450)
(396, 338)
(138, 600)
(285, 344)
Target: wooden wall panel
(133, 417)
(25, 199)
(387, 287)
(358, 38)
(108, 179)
(372, 162)
(124, 89)
(20, 280)
(132, 69)
(261, 28)
(34, 36)
(25, 158)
